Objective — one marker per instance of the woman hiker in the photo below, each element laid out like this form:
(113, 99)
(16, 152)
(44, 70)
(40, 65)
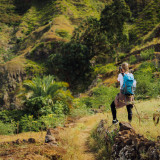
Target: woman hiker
(123, 99)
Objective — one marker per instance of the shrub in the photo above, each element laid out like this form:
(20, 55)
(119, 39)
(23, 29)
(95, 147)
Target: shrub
(35, 105)
(147, 54)
(52, 120)
(81, 107)
(104, 69)
(147, 85)
(122, 56)
(28, 123)
(6, 116)
(101, 95)
(6, 55)
(7, 128)
(132, 59)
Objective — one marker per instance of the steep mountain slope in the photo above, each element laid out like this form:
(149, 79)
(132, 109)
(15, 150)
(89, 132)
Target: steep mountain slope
(147, 19)
(34, 30)
(31, 23)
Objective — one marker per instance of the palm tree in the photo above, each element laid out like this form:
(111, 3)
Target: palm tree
(46, 88)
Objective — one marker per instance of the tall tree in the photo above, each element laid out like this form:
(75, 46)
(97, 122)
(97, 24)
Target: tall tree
(113, 18)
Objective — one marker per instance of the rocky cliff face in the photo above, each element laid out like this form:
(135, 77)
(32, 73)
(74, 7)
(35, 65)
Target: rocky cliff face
(127, 144)
(11, 74)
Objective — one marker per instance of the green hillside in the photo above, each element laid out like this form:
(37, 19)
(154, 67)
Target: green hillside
(61, 58)
(59, 62)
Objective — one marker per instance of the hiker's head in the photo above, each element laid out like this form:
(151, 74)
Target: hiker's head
(125, 67)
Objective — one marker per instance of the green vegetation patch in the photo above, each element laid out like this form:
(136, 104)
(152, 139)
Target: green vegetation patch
(41, 13)
(147, 20)
(101, 96)
(147, 54)
(97, 142)
(34, 68)
(132, 59)
(147, 84)
(103, 69)
(8, 13)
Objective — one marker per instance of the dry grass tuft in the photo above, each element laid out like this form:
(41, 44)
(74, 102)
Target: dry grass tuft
(146, 125)
(38, 136)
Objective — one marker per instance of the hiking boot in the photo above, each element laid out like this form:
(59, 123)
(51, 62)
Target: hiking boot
(129, 121)
(115, 121)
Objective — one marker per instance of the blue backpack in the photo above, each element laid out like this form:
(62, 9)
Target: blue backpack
(128, 88)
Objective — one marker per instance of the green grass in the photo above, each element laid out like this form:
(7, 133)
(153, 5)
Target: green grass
(103, 69)
(147, 54)
(42, 13)
(147, 20)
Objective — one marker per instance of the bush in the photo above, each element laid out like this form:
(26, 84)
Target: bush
(132, 59)
(97, 143)
(28, 123)
(104, 69)
(81, 107)
(42, 95)
(7, 128)
(34, 105)
(52, 120)
(147, 85)
(147, 54)
(6, 55)
(101, 95)
(6, 116)
(121, 56)
(49, 116)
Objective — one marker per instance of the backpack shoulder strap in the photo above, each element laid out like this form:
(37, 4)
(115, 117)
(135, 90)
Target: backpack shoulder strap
(122, 74)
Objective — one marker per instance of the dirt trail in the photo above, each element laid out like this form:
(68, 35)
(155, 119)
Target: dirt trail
(75, 139)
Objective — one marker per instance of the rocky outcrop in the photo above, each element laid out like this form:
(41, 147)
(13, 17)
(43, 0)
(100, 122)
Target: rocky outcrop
(127, 144)
(11, 74)
(52, 136)
(18, 142)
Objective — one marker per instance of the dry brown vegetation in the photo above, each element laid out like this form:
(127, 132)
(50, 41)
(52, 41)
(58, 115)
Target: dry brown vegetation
(73, 142)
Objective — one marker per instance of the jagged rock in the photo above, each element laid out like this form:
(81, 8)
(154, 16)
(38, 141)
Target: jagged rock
(125, 126)
(52, 135)
(127, 144)
(153, 153)
(31, 140)
(24, 141)
(49, 138)
(18, 141)
(127, 152)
